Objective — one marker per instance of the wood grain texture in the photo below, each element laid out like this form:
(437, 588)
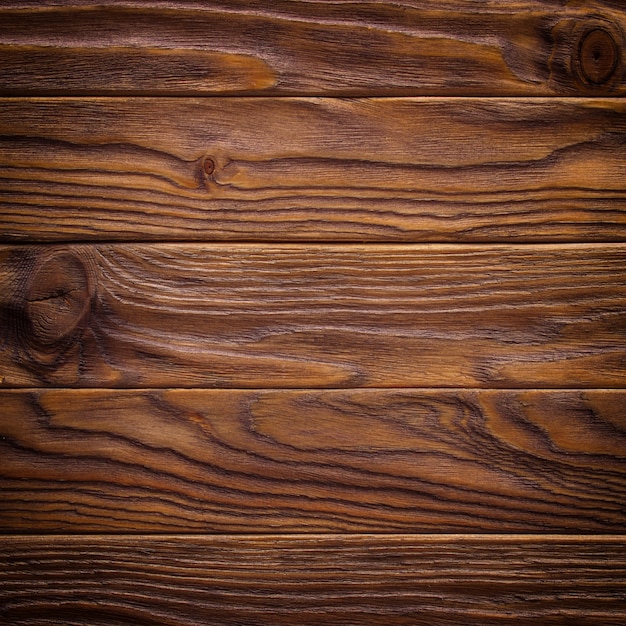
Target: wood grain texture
(313, 461)
(477, 170)
(544, 453)
(192, 315)
(346, 580)
(287, 47)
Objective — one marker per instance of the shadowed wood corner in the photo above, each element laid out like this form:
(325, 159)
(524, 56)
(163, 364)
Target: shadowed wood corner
(313, 312)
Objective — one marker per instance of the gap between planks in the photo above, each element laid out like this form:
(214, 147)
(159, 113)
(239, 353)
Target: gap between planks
(425, 538)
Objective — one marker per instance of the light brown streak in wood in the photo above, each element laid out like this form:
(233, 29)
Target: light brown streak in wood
(527, 47)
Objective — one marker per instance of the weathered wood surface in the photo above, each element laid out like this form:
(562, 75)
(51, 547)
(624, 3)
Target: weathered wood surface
(346, 580)
(193, 315)
(307, 460)
(513, 48)
(313, 169)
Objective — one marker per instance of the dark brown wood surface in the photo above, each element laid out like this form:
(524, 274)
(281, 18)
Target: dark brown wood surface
(350, 580)
(307, 460)
(435, 169)
(193, 315)
(391, 302)
(408, 47)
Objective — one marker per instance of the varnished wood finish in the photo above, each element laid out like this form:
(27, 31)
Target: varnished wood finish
(348, 580)
(422, 250)
(298, 461)
(424, 47)
(190, 315)
(477, 170)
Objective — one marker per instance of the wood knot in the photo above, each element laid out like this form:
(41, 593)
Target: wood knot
(208, 166)
(597, 56)
(57, 297)
(587, 56)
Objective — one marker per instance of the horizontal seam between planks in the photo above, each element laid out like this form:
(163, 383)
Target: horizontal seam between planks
(317, 389)
(364, 95)
(426, 537)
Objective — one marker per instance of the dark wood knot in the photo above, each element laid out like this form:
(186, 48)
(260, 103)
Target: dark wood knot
(57, 297)
(208, 166)
(597, 56)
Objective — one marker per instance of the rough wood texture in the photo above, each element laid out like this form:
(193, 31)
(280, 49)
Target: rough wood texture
(188, 315)
(424, 47)
(113, 312)
(313, 169)
(312, 580)
(298, 461)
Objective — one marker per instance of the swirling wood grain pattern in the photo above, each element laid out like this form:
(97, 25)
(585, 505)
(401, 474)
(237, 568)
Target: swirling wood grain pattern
(268, 169)
(313, 461)
(287, 47)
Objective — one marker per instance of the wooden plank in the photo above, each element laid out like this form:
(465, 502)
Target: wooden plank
(423, 47)
(356, 580)
(193, 315)
(479, 170)
(313, 461)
